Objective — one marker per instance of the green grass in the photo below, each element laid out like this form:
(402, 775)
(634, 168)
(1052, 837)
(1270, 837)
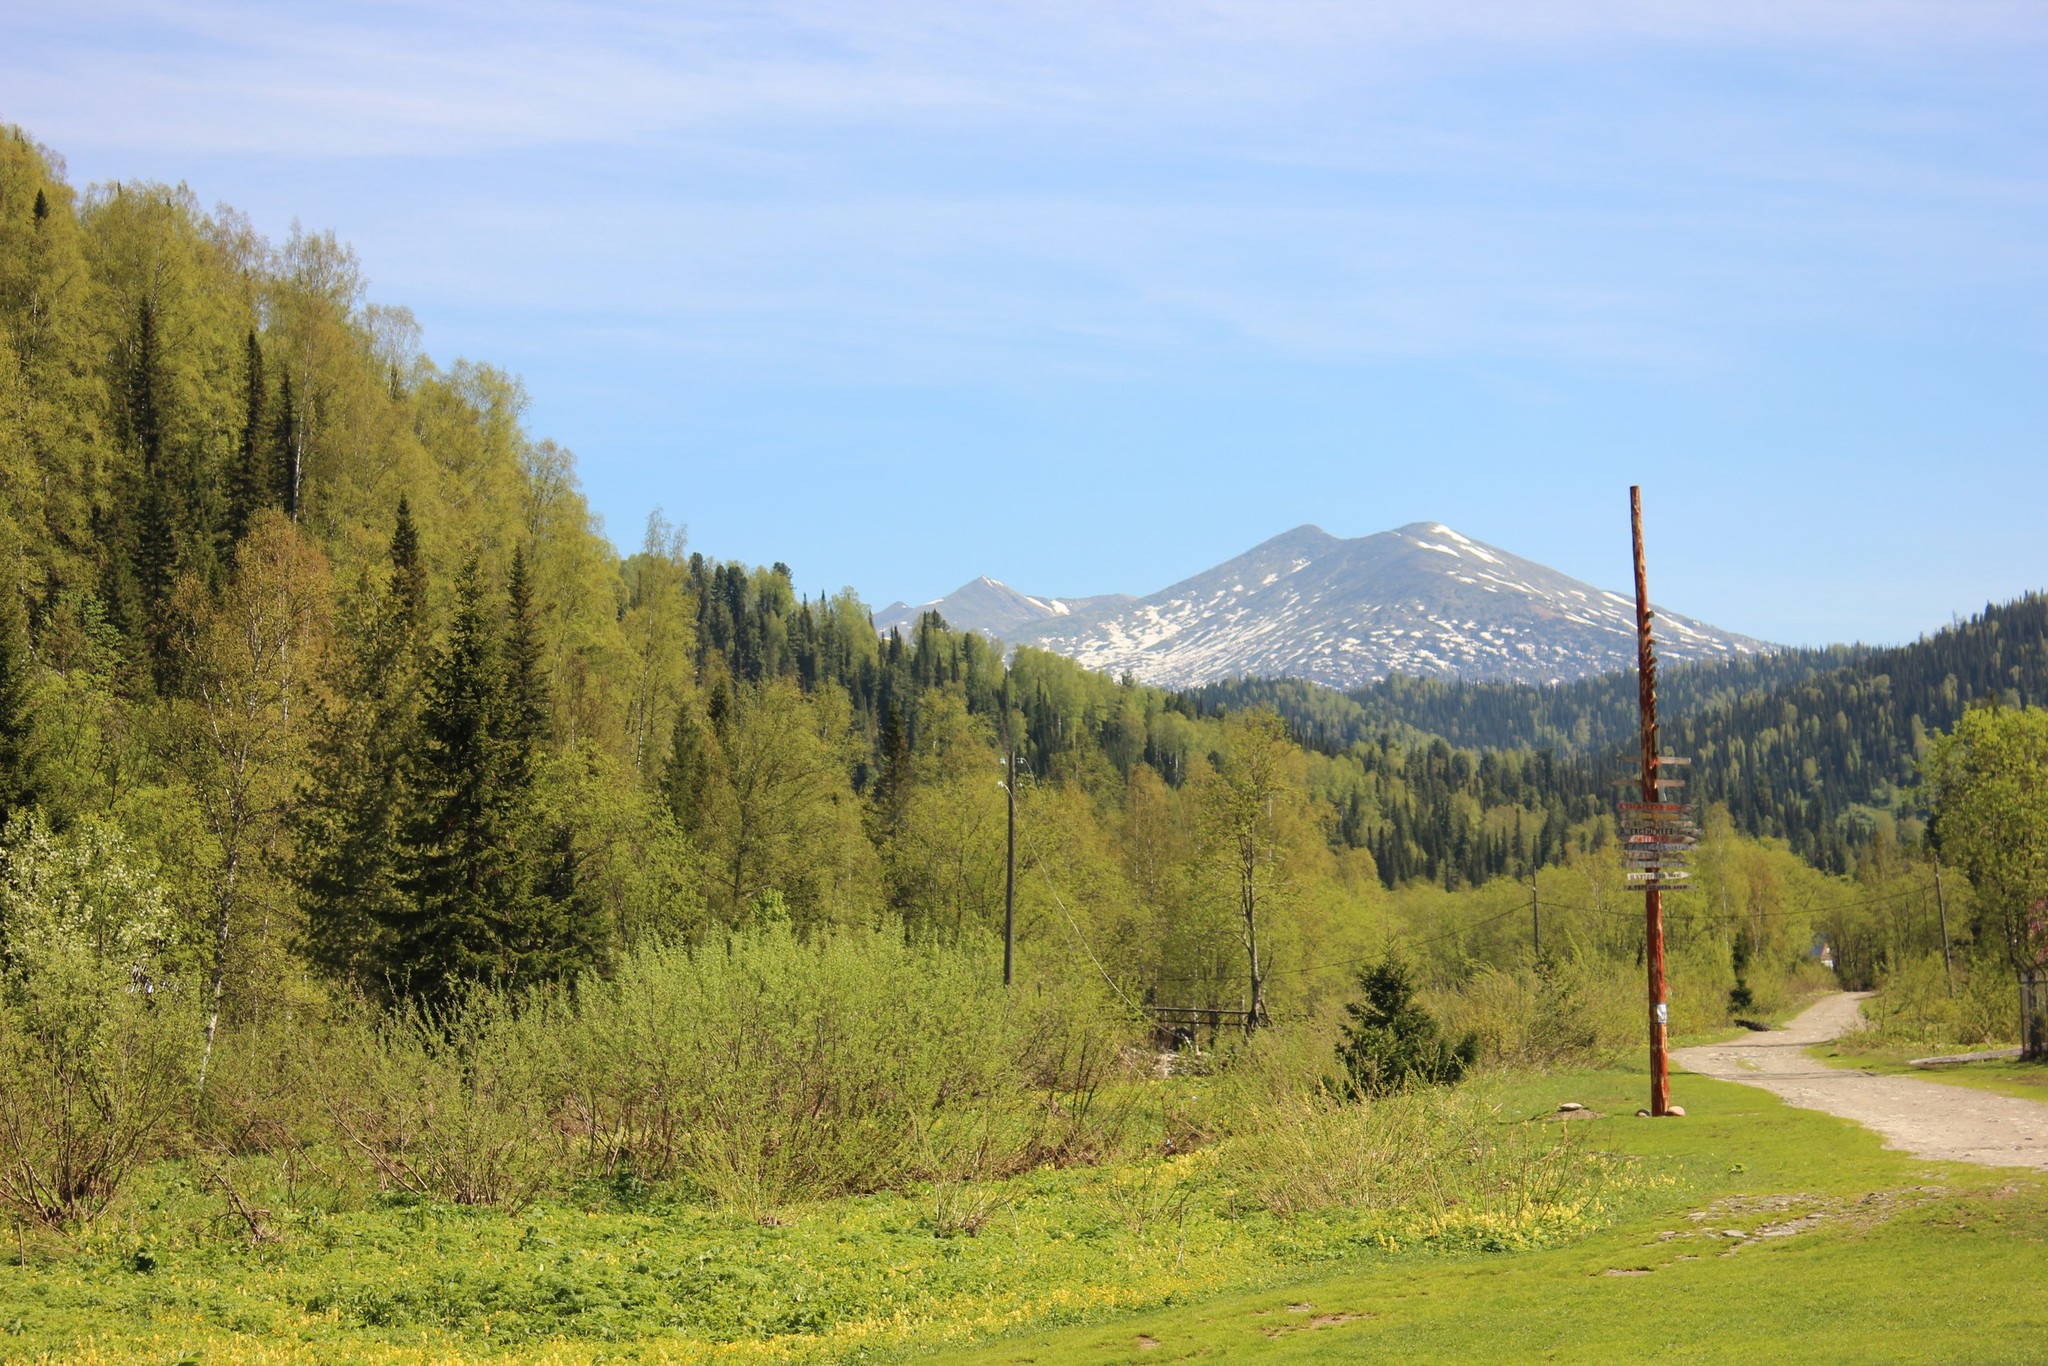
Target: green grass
(169, 1275)
(1082, 1265)
(2006, 1077)
(1905, 1261)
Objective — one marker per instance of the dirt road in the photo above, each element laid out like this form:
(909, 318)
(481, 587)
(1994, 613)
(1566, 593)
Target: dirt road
(1925, 1118)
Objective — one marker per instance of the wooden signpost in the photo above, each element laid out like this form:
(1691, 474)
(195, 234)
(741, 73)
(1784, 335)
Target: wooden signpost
(1657, 832)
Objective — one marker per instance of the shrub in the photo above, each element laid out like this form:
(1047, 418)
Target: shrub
(457, 1108)
(1425, 1153)
(1914, 1006)
(1391, 1042)
(764, 1067)
(95, 1044)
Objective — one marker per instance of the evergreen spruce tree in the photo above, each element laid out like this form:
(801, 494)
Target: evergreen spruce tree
(351, 823)
(152, 503)
(687, 771)
(463, 891)
(1390, 1041)
(892, 783)
(488, 881)
(408, 571)
(562, 932)
(248, 488)
(18, 786)
(285, 472)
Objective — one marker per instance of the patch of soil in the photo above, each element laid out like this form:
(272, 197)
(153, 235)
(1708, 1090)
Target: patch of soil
(1332, 1319)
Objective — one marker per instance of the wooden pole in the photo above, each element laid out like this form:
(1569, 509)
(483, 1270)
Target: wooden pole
(1653, 897)
(1010, 873)
(1535, 918)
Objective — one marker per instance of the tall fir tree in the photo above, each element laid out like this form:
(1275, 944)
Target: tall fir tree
(351, 825)
(285, 461)
(150, 515)
(408, 571)
(18, 785)
(487, 897)
(248, 488)
(686, 776)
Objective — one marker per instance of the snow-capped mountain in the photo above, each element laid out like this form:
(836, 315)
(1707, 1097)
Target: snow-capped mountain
(994, 609)
(1422, 601)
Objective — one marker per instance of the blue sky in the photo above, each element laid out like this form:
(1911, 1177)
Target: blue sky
(1090, 296)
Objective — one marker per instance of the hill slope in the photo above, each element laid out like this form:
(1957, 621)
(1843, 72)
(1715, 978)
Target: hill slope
(1804, 744)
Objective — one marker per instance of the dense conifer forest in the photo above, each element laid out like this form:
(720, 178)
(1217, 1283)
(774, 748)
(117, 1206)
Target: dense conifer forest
(1820, 748)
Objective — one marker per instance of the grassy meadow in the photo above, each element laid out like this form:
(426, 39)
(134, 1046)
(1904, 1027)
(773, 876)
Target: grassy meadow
(1439, 1224)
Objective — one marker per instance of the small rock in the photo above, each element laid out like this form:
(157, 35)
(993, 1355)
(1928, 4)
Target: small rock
(1642, 1114)
(1733, 1233)
(1676, 1110)
(1571, 1105)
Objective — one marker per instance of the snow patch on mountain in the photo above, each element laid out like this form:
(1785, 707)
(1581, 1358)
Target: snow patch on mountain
(1422, 599)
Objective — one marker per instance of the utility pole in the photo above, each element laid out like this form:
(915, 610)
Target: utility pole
(1948, 967)
(1653, 894)
(1010, 867)
(1535, 918)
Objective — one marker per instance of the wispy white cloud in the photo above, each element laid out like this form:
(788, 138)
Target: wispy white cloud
(688, 219)
(443, 79)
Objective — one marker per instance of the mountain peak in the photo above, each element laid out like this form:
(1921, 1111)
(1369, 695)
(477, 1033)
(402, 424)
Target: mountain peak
(1306, 537)
(1422, 599)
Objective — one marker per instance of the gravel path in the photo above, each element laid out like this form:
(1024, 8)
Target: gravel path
(1925, 1118)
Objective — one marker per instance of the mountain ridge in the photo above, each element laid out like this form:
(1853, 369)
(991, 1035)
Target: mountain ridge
(1421, 600)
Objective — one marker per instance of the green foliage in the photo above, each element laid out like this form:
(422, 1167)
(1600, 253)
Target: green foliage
(95, 1037)
(456, 1108)
(19, 787)
(1391, 1042)
(1990, 779)
(480, 906)
(1820, 748)
(764, 1069)
(1431, 1153)
(1926, 1007)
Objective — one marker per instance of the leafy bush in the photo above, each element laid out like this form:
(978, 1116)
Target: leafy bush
(1914, 1006)
(95, 1043)
(456, 1109)
(1391, 1042)
(759, 1069)
(1426, 1153)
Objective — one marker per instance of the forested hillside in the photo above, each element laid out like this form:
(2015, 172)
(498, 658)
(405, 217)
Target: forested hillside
(1819, 747)
(321, 635)
(329, 640)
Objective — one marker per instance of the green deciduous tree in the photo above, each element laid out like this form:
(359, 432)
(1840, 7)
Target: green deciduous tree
(1249, 803)
(249, 665)
(95, 1039)
(1990, 779)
